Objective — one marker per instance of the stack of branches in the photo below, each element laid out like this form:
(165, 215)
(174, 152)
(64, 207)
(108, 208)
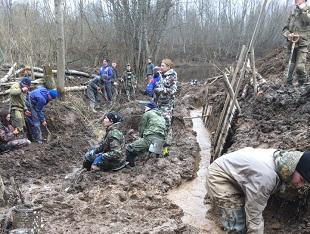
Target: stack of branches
(40, 76)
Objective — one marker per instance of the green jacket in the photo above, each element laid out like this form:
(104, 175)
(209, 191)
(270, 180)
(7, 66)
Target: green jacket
(113, 145)
(17, 98)
(152, 123)
(299, 22)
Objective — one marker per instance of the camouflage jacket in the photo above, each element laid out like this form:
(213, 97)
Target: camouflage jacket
(166, 88)
(17, 98)
(113, 144)
(152, 123)
(129, 79)
(96, 83)
(299, 22)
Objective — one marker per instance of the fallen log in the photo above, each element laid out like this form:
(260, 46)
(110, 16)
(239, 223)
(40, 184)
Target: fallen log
(9, 74)
(75, 88)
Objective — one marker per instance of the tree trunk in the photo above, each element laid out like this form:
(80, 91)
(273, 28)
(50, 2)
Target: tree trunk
(59, 15)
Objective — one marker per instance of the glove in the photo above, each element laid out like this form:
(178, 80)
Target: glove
(90, 155)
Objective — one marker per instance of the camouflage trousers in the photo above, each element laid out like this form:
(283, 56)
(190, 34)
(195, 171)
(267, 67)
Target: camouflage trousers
(142, 145)
(14, 144)
(229, 199)
(298, 64)
(18, 119)
(130, 92)
(167, 111)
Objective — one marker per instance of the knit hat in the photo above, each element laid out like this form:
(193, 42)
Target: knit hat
(156, 69)
(151, 105)
(114, 117)
(53, 93)
(286, 162)
(26, 81)
(303, 166)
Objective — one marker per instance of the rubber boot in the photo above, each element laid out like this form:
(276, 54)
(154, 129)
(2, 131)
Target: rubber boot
(92, 107)
(130, 158)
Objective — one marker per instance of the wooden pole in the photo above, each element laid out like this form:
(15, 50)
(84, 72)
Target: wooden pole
(252, 59)
(8, 75)
(231, 92)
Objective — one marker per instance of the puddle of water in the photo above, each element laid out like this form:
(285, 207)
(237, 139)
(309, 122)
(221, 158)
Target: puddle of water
(190, 195)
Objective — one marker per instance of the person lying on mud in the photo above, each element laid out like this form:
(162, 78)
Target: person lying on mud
(7, 139)
(109, 154)
(240, 184)
(151, 128)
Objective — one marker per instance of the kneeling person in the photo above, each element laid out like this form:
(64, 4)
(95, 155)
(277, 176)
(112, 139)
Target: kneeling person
(110, 153)
(152, 127)
(240, 184)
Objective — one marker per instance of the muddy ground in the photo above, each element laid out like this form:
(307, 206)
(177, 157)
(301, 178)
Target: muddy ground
(133, 200)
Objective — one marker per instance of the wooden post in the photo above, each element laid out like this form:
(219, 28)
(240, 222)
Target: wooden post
(252, 60)
(231, 92)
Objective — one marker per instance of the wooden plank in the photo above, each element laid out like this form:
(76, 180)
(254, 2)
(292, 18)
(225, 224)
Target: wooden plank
(252, 60)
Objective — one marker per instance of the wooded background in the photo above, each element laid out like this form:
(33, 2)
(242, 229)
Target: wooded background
(131, 30)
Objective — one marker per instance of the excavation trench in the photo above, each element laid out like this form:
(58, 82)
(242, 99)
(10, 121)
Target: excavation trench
(190, 195)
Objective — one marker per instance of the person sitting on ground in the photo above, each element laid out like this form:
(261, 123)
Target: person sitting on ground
(130, 82)
(18, 107)
(94, 88)
(151, 127)
(36, 101)
(240, 184)
(110, 153)
(7, 138)
(149, 90)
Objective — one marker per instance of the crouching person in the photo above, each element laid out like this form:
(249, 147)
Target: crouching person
(7, 139)
(240, 184)
(36, 101)
(152, 128)
(109, 154)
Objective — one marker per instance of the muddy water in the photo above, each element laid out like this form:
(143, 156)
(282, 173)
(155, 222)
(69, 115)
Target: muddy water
(190, 195)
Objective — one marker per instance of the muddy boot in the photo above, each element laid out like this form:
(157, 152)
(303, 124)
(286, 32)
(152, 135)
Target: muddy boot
(130, 158)
(87, 165)
(92, 107)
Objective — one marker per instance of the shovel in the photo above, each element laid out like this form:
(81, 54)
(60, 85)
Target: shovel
(49, 134)
(294, 40)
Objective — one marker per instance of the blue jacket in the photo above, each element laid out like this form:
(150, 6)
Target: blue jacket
(149, 90)
(106, 71)
(38, 99)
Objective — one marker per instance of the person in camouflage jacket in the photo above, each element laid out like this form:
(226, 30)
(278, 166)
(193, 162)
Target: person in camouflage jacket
(110, 153)
(130, 82)
(165, 90)
(298, 26)
(240, 183)
(152, 127)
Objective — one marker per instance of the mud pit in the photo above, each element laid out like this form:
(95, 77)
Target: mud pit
(134, 200)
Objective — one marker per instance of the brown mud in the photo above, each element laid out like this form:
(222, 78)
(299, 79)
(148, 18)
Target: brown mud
(134, 200)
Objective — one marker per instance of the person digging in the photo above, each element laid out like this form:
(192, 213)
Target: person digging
(109, 155)
(240, 184)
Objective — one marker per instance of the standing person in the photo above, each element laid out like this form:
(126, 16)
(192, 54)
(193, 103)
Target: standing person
(297, 29)
(94, 88)
(115, 80)
(240, 184)
(148, 71)
(151, 128)
(7, 138)
(130, 82)
(18, 107)
(110, 153)
(149, 90)
(36, 101)
(106, 73)
(166, 89)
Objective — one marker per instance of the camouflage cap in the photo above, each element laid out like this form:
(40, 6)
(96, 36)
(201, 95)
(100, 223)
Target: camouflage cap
(286, 162)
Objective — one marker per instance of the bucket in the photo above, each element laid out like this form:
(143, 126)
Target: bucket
(26, 218)
(156, 146)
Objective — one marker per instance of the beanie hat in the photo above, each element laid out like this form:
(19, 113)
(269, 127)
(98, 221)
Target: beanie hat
(303, 166)
(156, 69)
(53, 93)
(286, 162)
(151, 105)
(114, 117)
(26, 81)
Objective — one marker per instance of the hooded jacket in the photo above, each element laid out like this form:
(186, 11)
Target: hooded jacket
(36, 101)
